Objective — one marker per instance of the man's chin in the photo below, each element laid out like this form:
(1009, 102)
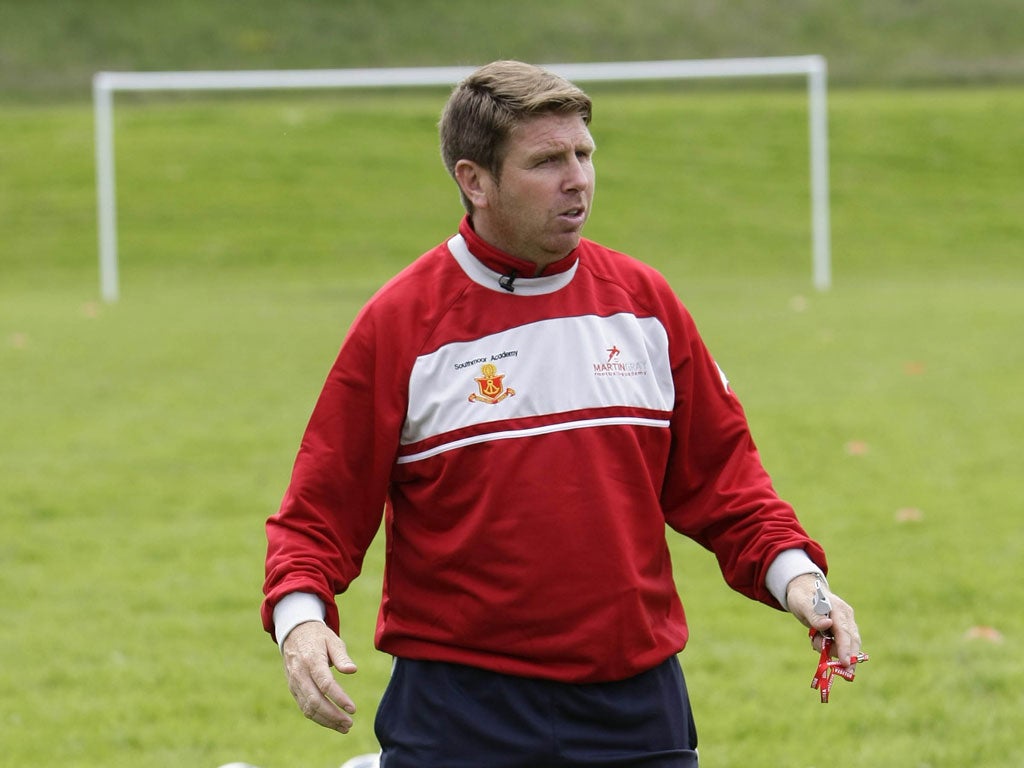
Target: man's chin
(566, 242)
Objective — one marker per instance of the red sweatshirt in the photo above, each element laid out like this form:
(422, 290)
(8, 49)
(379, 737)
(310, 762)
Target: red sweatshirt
(526, 449)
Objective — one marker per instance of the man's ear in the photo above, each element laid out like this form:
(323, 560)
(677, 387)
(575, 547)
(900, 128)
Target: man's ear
(474, 181)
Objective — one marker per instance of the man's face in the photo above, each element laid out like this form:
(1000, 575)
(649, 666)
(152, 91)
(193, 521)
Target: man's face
(537, 209)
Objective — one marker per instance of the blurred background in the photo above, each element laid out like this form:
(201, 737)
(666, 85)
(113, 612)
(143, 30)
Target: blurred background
(51, 48)
(143, 443)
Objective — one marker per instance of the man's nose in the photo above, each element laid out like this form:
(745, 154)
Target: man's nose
(577, 176)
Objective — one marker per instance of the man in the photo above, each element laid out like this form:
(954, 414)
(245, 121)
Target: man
(526, 409)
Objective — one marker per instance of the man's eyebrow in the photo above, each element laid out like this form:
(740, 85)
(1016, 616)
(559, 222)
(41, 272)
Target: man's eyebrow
(557, 147)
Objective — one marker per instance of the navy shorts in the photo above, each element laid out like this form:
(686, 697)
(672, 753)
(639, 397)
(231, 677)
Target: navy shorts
(438, 715)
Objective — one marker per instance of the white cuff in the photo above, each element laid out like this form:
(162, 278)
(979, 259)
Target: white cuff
(293, 609)
(789, 564)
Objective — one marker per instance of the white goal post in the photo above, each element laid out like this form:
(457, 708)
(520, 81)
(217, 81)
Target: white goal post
(104, 84)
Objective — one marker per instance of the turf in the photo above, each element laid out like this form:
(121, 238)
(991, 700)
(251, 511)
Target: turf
(144, 442)
(52, 48)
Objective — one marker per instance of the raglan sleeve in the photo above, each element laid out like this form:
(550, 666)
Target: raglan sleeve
(334, 502)
(716, 488)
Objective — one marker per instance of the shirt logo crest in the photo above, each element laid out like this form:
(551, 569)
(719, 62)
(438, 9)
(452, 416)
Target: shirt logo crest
(491, 386)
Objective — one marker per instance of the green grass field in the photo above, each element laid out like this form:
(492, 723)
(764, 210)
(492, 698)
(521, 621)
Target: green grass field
(144, 442)
(51, 48)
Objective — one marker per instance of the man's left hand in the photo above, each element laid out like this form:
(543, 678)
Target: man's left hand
(839, 623)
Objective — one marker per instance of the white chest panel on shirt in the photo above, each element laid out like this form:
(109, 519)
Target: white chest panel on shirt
(611, 369)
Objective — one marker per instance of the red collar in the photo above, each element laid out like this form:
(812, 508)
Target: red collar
(505, 263)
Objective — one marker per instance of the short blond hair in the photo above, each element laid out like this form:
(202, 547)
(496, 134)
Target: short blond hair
(485, 108)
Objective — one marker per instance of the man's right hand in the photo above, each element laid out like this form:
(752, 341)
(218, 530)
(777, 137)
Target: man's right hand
(309, 652)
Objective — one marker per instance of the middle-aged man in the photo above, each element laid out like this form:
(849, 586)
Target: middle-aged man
(526, 410)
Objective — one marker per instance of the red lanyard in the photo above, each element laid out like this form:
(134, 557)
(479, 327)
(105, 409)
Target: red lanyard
(829, 668)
